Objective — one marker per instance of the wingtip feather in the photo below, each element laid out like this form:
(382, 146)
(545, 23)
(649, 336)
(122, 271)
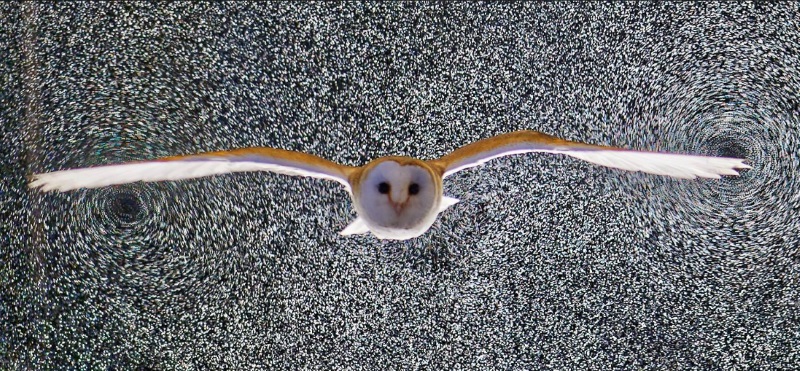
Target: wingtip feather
(47, 183)
(36, 181)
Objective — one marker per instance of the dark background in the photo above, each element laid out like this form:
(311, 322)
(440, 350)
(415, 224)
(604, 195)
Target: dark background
(547, 263)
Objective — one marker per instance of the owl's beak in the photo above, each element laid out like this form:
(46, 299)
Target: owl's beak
(398, 206)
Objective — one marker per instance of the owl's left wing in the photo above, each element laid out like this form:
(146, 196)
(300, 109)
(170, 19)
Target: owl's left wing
(670, 164)
(195, 166)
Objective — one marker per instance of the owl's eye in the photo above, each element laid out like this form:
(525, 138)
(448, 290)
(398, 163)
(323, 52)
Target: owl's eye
(383, 188)
(413, 189)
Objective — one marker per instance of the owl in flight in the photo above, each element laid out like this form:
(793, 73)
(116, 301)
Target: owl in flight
(396, 197)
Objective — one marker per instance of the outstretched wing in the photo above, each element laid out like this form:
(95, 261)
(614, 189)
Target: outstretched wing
(195, 166)
(674, 165)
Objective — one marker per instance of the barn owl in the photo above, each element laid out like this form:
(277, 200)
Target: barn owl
(395, 197)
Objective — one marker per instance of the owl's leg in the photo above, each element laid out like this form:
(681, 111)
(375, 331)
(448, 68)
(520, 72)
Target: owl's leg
(356, 227)
(447, 202)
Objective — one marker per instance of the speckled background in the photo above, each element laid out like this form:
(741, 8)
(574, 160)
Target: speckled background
(547, 263)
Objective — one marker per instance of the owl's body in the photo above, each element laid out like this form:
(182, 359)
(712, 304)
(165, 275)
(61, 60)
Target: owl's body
(395, 197)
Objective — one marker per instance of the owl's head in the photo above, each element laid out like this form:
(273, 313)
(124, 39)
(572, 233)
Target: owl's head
(398, 193)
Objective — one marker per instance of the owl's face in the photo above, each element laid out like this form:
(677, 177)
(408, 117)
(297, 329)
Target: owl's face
(398, 196)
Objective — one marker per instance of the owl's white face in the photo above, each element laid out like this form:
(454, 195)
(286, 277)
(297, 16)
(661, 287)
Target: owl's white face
(398, 200)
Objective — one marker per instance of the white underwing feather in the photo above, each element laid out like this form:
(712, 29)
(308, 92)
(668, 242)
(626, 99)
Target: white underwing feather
(153, 171)
(669, 164)
(674, 165)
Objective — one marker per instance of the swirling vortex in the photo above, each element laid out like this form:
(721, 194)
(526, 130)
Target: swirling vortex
(737, 223)
(121, 239)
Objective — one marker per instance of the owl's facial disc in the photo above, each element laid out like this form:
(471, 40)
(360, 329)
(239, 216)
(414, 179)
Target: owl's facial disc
(398, 196)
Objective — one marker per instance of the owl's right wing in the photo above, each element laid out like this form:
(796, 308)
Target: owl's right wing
(195, 166)
(670, 164)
